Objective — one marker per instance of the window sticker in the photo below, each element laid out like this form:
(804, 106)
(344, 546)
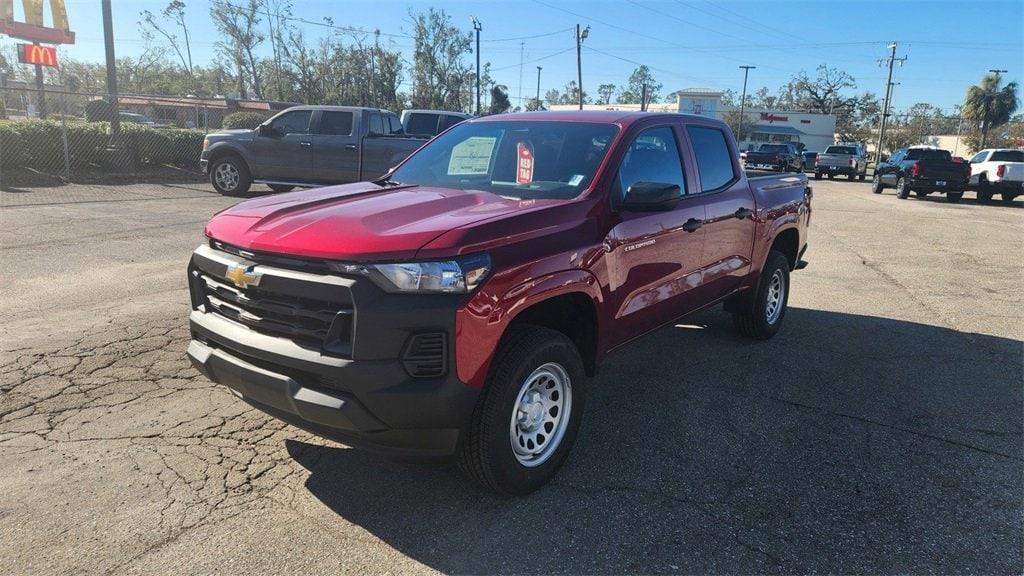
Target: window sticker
(524, 159)
(472, 156)
(576, 179)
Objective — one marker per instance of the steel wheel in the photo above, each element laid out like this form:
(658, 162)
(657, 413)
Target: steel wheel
(775, 297)
(227, 176)
(540, 414)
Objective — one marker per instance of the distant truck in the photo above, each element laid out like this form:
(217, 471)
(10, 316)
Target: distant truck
(778, 157)
(922, 170)
(998, 170)
(307, 146)
(848, 159)
(430, 122)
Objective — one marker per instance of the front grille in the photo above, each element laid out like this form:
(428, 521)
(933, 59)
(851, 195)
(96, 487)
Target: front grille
(426, 355)
(282, 306)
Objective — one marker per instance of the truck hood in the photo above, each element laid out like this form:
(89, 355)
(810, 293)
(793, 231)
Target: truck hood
(238, 134)
(355, 222)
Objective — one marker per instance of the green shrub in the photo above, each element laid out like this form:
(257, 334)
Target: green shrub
(11, 146)
(99, 111)
(146, 145)
(185, 147)
(248, 120)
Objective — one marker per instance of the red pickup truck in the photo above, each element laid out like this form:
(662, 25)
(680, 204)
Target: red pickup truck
(458, 305)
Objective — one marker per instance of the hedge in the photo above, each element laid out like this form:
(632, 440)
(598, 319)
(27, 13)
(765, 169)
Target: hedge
(247, 120)
(39, 144)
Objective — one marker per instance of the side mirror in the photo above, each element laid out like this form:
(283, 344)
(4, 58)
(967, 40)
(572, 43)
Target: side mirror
(651, 197)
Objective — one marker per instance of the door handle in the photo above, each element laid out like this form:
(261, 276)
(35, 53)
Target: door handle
(351, 147)
(743, 213)
(305, 144)
(692, 225)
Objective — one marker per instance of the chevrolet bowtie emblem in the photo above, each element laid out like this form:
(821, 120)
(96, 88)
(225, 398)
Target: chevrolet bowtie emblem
(243, 276)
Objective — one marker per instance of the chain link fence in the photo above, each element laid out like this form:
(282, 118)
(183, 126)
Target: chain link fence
(69, 136)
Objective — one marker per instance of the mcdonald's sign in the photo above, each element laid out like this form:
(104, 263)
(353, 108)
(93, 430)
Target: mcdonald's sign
(36, 54)
(32, 28)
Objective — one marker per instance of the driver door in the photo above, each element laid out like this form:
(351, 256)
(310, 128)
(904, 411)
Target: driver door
(653, 257)
(285, 152)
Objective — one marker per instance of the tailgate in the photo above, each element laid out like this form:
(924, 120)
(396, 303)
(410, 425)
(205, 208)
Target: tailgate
(942, 170)
(833, 160)
(1014, 172)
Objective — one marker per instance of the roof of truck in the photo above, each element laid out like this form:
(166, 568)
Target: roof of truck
(601, 116)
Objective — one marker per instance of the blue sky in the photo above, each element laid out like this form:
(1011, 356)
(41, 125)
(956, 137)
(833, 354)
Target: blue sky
(687, 43)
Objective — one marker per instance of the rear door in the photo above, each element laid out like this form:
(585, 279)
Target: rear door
(285, 154)
(653, 257)
(888, 170)
(336, 147)
(729, 205)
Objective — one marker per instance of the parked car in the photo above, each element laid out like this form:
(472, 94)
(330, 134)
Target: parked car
(458, 304)
(998, 170)
(430, 122)
(133, 118)
(810, 159)
(848, 159)
(778, 157)
(922, 170)
(307, 146)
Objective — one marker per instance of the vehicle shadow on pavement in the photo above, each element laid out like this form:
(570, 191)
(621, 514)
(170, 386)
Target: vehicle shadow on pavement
(848, 442)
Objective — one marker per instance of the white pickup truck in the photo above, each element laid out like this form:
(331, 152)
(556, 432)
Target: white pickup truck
(998, 170)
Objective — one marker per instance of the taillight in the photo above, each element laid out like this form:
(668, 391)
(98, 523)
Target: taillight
(915, 169)
(1001, 170)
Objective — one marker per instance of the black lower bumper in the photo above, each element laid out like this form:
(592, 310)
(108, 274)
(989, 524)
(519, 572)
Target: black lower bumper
(371, 404)
(932, 185)
(847, 170)
(1005, 187)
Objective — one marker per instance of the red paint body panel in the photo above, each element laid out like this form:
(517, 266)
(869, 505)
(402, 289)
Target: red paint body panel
(640, 270)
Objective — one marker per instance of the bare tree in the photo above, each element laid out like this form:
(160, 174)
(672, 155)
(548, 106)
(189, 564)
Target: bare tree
(439, 68)
(175, 12)
(238, 23)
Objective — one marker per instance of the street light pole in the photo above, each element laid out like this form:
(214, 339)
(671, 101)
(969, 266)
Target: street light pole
(478, 27)
(539, 105)
(580, 37)
(743, 100)
(888, 100)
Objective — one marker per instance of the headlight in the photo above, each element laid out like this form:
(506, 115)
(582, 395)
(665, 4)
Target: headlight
(448, 276)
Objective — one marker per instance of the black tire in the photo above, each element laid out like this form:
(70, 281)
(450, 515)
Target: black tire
(281, 188)
(851, 176)
(1007, 196)
(921, 193)
(984, 190)
(220, 171)
(756, 322)
(902, 190)
(862, 176)
(876, 184)
(954, 197)
(831, 175)
(485, 451)
(817, 175)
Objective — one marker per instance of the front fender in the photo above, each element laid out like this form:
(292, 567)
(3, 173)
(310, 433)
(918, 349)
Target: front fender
(230, 147)
(482, 321)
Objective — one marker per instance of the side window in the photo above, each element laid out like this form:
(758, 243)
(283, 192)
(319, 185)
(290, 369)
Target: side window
(447, 122)
(422, 124)
(714, 162)
(979, 157)
(394, 124)
(653, 156)
(296, 122)
(897, 156)
(376, 124)
(336, 123)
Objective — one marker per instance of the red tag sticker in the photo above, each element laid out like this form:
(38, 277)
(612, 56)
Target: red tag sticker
(524, 157)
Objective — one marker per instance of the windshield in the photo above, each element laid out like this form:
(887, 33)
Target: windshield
(773, 148)
(928, 154)
(841, 150)
(535, 160)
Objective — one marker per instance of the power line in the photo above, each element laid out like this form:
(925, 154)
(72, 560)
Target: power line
(546, 34)
(560, 52)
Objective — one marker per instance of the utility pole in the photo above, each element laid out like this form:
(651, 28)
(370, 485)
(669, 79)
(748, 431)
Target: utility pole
(539, 104)
(888, 99)
(108, 42)
(580, 37)
(743, 100)
(478, 27)
(643, 97)
(373, 71)
(988, 104)
(522, 48)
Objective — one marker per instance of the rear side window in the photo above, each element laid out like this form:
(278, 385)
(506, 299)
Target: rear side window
(395, 125)
(336, 123)
(376, 124)
(449, 121)
(841, 150)
(1007, 156)
(979, 157)
(652, 157)
(422, 124)
(714, 163)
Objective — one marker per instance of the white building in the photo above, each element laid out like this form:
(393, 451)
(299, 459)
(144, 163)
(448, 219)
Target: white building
(815, 131)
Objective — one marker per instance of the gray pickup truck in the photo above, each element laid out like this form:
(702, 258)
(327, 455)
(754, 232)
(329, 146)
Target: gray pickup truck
(307, 146)
(849, 159)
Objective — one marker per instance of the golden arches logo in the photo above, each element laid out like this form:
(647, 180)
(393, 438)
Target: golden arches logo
(36, 54)
(33, 27)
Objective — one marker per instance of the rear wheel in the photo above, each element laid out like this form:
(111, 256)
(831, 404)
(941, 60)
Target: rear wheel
(851, 176)
(831, 175)
(817, 175)
(280, 187)
(230, 176)
(862, 176)
(764, 318)
(1008, 196)
(876, 184)
(954, 197)
(527, 418)
(902, 189)
(984, 190)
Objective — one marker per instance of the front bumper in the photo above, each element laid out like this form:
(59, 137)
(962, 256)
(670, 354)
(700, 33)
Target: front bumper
(204, 162)
(362, 395)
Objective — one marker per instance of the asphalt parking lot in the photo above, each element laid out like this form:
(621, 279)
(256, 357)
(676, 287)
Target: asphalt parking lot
(879, 432)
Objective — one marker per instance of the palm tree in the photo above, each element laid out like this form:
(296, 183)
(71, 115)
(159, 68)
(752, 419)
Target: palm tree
(989, 104)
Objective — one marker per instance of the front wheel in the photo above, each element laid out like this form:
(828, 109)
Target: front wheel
(817, 175)
(984, 193)
(764, 318)
(230, 176)
(1008, 196)
(831, 175)
(527, 418)
(861, 176)
(876, 184)
(902, 190)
